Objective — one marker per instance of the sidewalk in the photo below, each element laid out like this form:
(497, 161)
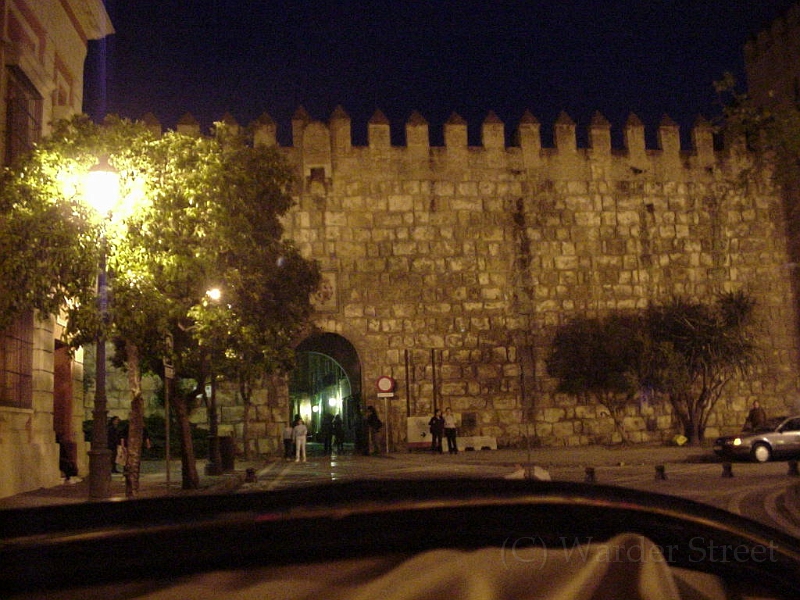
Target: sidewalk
(152, 483)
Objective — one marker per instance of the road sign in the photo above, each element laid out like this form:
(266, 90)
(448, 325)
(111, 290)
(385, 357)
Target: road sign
(385, 384)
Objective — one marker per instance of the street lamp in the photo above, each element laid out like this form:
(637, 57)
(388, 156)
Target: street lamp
(102, 193)
(214, 465)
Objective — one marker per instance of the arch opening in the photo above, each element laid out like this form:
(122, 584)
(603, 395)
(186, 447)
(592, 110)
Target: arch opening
(326, 382)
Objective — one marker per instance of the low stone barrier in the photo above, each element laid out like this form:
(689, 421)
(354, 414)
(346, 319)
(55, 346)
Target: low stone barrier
(476, 442)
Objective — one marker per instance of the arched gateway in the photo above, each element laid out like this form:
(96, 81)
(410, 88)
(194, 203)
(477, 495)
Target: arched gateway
(326, 382)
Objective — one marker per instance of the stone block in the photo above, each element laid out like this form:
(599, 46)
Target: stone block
(563, 429)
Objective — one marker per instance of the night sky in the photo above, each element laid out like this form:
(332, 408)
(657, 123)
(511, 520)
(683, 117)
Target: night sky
(248, 57)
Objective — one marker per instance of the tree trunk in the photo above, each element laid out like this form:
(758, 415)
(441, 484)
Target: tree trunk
(189, 477)
(214, 455)
(693, 425)
(680, 407)
(135, 422)
(244, 391)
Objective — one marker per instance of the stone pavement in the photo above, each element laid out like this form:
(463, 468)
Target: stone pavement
(153, 476)
(152, 483)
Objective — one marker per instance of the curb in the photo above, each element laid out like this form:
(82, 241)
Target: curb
(227, 482)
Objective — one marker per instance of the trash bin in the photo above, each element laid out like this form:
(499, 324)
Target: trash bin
(227, 452)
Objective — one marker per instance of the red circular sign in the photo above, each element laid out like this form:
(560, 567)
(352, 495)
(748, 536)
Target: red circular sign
(385, 383)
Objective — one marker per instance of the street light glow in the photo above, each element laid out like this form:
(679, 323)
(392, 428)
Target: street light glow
(214, 294)
(102, 187)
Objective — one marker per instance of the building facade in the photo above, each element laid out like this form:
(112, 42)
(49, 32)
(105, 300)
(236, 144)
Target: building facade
(41, 390)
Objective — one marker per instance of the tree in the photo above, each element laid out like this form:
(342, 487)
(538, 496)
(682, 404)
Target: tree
(696, 349)
(208, 214)
(600, 359)
(771, 132)
(686, 350)
(214, 221)
(48, 240)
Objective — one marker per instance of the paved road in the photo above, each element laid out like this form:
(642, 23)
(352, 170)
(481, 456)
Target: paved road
(755, 490)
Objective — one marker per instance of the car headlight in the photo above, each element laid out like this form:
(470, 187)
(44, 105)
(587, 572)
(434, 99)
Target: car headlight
(737, 441)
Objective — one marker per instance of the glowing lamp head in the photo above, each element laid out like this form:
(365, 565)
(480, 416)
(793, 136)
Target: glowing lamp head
(102, 187)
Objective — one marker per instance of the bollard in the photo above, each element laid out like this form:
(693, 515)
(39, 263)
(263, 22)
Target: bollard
(250, 476)
(793, 472)
(727, 469)
(660, 473)
(590, 475)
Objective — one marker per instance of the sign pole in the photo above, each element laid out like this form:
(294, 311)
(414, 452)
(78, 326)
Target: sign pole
(385, 386)
(388, 422)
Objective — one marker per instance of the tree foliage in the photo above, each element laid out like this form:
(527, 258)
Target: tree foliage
(685, 350)
(207, 214)
(48, 238)
(697, 349)
(771, 132)
(600, 358)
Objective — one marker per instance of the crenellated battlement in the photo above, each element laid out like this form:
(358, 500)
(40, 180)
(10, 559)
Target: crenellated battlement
(319, 144)
(492, 129)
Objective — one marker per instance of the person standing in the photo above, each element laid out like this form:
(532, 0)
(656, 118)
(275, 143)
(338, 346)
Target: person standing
(756, 418)
(287, 442)
(338, 433)
(327, 433)
(114, 440)
(450, 431)
(374, 425)
(299, 434)
(436, 426)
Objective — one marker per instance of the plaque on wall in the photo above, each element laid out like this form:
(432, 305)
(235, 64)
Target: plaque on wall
(326, 298)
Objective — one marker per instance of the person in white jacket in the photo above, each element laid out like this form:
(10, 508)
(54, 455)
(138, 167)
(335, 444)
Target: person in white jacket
(299, 434)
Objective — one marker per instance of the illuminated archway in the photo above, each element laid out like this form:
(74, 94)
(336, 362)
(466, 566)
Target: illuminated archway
(327, 379)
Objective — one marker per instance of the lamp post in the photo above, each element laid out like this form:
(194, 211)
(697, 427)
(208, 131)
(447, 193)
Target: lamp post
(214, 465)
(102, 192)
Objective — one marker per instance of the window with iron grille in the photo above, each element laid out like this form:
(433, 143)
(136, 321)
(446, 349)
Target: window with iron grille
(16, 363)
(23, 115)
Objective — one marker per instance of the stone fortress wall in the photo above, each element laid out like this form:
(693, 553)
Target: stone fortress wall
(479, 253)
(453, 266)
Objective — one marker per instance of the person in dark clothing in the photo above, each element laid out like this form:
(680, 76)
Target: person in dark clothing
(756, 418)
(288, 442)
(338, 433)
(450, 430)
(66, 459)
(436, 426)
(327, 433)
(114, 440)
(360, 434)
(374, 425)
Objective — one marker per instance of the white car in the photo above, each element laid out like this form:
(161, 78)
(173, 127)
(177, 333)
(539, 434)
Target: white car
(780, 438)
